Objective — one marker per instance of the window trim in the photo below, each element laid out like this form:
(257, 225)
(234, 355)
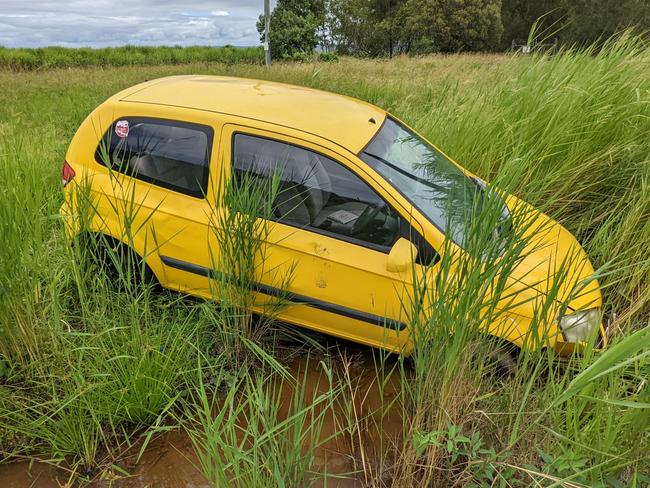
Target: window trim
(350, 240)
(206, 129)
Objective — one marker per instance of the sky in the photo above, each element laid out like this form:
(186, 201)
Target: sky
(100, 23)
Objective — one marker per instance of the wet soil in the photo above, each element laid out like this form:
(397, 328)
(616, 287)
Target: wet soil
(349, 457)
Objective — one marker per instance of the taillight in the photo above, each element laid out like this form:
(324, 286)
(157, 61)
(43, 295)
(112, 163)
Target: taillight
(67, 174)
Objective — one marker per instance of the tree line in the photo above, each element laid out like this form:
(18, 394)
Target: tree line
(389, 27)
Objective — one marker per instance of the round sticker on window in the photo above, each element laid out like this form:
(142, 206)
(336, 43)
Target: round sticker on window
(122, 128)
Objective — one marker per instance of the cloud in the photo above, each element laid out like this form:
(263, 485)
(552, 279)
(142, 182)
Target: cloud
(98, 23)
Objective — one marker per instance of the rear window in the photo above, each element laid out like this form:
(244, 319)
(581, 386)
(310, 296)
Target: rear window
(167, 153)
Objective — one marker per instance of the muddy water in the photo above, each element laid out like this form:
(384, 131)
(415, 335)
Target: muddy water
(362, 427)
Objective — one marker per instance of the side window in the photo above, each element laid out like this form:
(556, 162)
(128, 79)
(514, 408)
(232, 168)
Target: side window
(171, 154)
(318, 193)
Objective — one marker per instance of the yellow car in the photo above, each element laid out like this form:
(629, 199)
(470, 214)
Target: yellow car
(358, 217)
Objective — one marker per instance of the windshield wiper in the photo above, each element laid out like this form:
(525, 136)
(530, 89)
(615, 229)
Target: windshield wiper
(405, 173)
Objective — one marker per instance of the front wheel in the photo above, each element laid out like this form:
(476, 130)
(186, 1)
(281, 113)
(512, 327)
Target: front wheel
(505, 357)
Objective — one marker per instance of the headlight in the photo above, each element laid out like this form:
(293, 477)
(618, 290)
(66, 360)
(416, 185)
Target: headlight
(579, 326)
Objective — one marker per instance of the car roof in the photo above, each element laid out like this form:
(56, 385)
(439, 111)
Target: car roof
(348, 122)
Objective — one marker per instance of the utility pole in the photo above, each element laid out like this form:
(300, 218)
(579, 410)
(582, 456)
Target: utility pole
(267, 27)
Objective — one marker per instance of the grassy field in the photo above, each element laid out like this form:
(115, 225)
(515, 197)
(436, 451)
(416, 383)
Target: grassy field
(91, 367)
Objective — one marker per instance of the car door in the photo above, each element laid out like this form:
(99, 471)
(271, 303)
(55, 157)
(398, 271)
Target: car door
(156, 194)
(329, 238)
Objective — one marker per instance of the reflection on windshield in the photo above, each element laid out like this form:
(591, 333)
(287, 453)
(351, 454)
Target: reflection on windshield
(436, 186)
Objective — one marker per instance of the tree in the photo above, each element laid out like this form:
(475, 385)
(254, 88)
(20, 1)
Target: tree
(294, 26)
(589, 21)
(519, 16)
(451, 25)
(385, 27)
(367, 27)
(573, 21)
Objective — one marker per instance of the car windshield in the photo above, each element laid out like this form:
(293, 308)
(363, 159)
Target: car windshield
(429, 180)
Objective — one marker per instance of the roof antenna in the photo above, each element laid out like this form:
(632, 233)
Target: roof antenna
(372, 120)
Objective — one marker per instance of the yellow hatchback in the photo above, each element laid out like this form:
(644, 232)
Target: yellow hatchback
(359, 215)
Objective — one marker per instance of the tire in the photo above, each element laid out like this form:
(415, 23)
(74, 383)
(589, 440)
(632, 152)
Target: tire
(118, 260)
(504, 357)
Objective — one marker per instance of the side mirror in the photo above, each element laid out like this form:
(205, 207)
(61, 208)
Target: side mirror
(402, 255)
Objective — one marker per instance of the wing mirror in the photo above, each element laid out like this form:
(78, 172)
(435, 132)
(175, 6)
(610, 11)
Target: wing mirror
(402, 255)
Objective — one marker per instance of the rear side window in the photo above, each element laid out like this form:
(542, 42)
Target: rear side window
(167, 153)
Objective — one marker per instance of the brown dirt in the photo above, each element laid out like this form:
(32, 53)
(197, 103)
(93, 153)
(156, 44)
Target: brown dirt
(169, 461)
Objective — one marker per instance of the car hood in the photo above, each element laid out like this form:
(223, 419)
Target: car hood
(552, 263)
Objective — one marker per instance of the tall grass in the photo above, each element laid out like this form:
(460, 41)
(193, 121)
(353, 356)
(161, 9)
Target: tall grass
(240, 226)
(458, 376)
(58, 57)
(260, 431)
(89, 369)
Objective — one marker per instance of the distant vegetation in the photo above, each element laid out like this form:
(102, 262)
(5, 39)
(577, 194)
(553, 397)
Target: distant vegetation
(388, 27)
(378, 28)
(60, 57)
